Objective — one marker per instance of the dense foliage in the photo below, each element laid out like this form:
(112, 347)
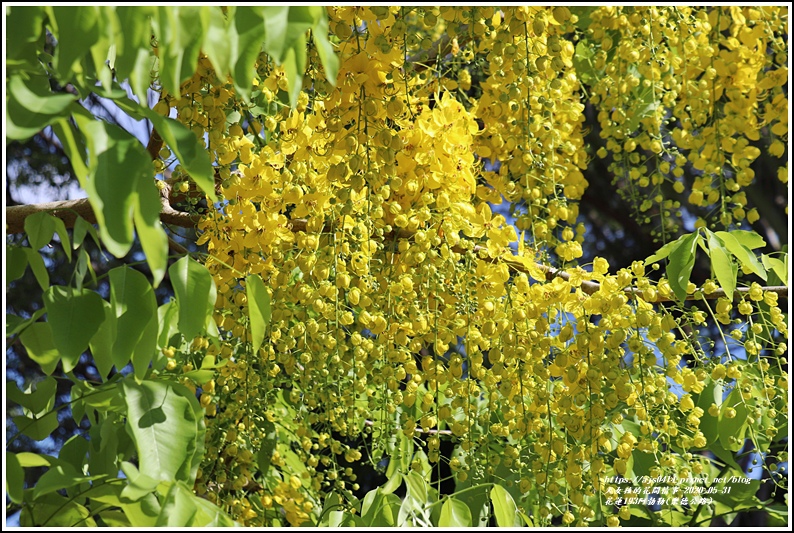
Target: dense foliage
(388, 206)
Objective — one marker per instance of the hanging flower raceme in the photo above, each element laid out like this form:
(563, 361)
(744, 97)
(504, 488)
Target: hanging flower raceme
(398, 307)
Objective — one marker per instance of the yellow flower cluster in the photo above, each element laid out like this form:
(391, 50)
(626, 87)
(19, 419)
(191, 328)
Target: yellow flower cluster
(684, 95)
(398, 305)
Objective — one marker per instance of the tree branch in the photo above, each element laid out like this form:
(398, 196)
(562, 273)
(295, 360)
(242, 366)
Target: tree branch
(69, 210)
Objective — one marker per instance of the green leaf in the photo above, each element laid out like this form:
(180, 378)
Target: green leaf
(750, 239)
(118, 161)
(182, 508)
(134, 57)
(139, 485)
(370, 503)
(167, 424)
(35, 460)
(120, 188)
(741, 494)
(24, 25)
(135, 308)
(325, 49)
(741, 252)
(778, 267)
(294, 65)
(57, 478)
(504, 507)
(39, 397)
(104, 398)
(39, 228)
(76, 29)
(454, 513)
(37, 340)
(37, 266)
(15, 478)
(583, 13)
(276, 26)
(644, 105)
(732, 430)
(154, 241)
(74, 452)
(643, 462)
(103, 50)
(16, 324)
(167, 318)
(35, 95)
(681, 262)
(477, 499)
(220, 40)
(379, 509)
(248, 24)
(16, 263)
(394, 478)
(144, 351)
(664, 251)
(386, 514)
(32, 106)
(724, 269)
(189, 149)
(208, 514)
(726, 456)
(195, 294)
(114, 519)
(54, 510)
(81, 227)
(527, 520)
(63, 235)
(179, 31)
(143, 512)
(417, 486)
(709, 425)
(583, 63)
(101, 344)
(74, 316)
(37, 428)
(258, 309)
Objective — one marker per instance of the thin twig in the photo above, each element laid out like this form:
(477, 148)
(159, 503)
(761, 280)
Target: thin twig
(448, 432)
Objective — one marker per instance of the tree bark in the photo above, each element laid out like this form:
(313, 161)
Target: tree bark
(69, 210)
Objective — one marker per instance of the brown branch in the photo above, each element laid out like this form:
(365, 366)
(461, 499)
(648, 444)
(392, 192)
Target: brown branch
(176, 247)
(371, 423)
(587, 286)
(154, 145)
(69, 210)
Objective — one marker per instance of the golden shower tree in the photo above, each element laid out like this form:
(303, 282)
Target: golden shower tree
(388, 272)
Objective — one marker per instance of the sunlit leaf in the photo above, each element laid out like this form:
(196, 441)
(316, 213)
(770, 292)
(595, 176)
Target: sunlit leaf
(741, 252)
(681, 262)
(15, 478)
(504, 507)
(37, 428)
(74, 316)
(76, 29)
(16, 263)
(195, 294)
(724, 269)
(37, 340)
(454, 513)
(258, 309)
(37, 266)
(167, 425)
